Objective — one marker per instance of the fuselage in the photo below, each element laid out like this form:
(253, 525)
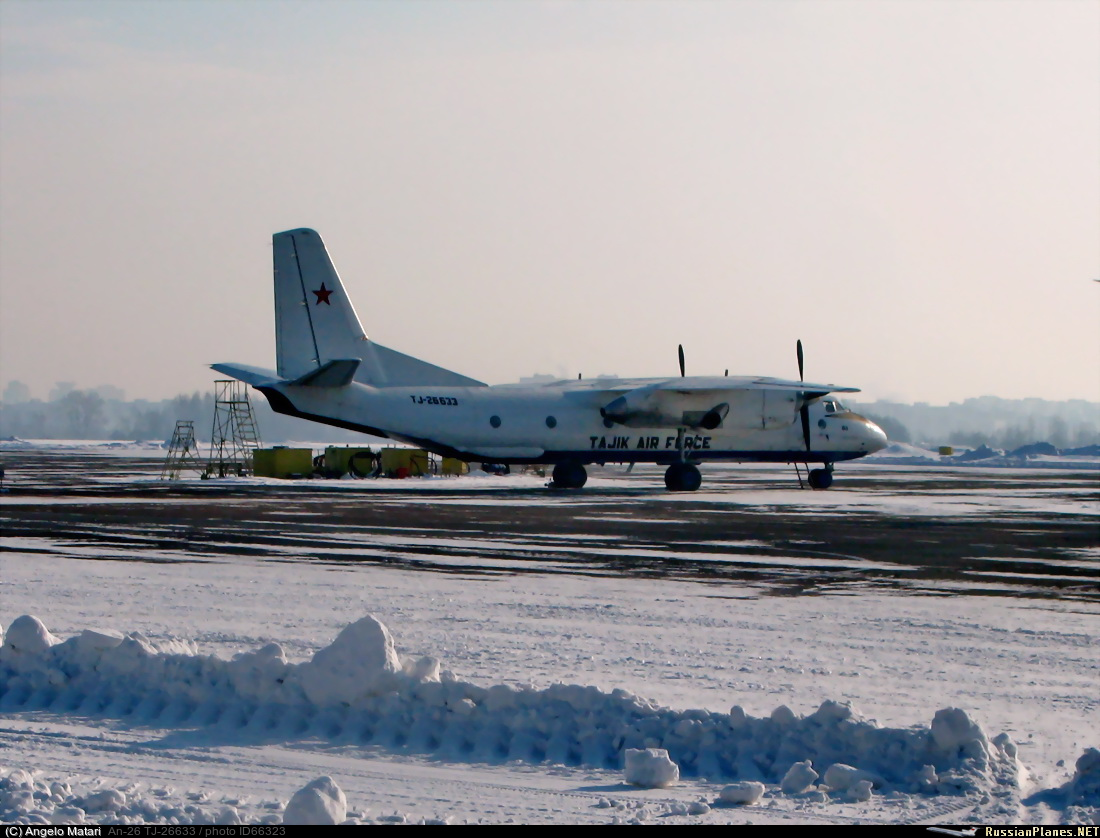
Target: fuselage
(562, 422)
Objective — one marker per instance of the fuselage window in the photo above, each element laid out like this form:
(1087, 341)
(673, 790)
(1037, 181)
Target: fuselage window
(551, 422)
(494, 421)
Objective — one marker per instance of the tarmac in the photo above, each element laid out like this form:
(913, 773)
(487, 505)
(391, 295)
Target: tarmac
(943, 533)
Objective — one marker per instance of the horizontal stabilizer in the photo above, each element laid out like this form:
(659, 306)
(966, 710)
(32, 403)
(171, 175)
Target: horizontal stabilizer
(256, 376)
(332, 374)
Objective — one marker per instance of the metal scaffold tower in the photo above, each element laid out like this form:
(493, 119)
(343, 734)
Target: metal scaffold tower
(235, 436)
(183, 451)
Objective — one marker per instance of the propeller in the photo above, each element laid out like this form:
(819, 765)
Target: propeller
(803, 411)
(681, 352)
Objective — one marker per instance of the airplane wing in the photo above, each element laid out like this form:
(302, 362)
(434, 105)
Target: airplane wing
(747, 382)
(694, 383)
(712, 402)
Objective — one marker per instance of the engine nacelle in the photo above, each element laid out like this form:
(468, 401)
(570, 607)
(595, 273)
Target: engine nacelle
(651, 410)
(653, 407)
(636, 410)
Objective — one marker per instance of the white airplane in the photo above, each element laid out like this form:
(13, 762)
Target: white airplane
(329, 371)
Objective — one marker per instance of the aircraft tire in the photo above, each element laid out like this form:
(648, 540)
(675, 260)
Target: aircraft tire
(682, 477)
(821, 478)
(569, 476)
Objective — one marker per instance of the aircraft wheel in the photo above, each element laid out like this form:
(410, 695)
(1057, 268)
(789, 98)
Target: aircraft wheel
(821, 478)
(569, 476)
(682, 477)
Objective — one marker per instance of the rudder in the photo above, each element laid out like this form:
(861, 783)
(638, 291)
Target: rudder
(315, 321)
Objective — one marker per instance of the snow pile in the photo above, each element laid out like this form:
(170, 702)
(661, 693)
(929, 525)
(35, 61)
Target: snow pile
(799, 778)
(130, 675)
(1084, 788)
(28, 798)
(1035, 449)
(1082, 792)
(361, 661)
(320, 802)
(26, 636)
(982, 452)
(841, 777)
(358, 691)
(650, 768)
(742, 794)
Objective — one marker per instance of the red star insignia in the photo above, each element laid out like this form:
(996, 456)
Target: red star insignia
(323, 295)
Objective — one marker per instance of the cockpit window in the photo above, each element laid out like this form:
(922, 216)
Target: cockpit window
(830, 407)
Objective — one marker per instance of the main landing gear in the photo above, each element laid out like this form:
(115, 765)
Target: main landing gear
(682, 477)
(569, 476)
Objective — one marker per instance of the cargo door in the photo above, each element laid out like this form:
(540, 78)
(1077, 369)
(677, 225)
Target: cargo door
(779, 409)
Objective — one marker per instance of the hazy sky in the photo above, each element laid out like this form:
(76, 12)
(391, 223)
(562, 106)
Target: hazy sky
(911, 187)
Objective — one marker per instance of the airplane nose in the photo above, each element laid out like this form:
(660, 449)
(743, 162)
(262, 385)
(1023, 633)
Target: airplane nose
(871, 437)
(874, 437)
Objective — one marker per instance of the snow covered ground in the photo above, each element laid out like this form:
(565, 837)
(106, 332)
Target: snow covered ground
(211, 688)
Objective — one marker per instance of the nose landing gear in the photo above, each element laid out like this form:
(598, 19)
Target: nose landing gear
(821, 478)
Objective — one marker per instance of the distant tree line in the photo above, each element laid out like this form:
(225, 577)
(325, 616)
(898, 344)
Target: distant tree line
(103, 413)
(999, 423)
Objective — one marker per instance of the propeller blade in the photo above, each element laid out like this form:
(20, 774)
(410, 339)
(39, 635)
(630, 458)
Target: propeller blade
(681, 348)
(803, 411)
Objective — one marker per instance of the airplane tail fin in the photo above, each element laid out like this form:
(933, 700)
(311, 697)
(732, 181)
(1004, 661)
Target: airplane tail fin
(319, 341)
(315, 321)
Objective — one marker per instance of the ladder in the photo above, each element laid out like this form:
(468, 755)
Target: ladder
(183, 451)
(235, 436)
